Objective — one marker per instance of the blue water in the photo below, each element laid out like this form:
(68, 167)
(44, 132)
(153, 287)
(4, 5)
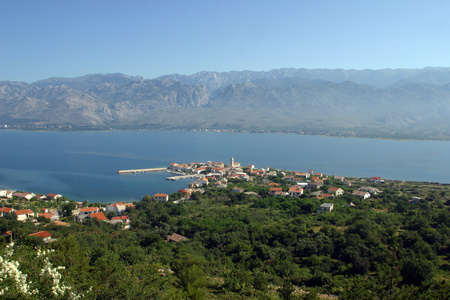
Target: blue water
(83, 165)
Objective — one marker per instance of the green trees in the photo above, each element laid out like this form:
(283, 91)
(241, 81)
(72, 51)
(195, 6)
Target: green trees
(250, 247)
(417, 271)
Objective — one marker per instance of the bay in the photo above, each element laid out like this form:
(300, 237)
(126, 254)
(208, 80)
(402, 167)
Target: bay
(83, 165)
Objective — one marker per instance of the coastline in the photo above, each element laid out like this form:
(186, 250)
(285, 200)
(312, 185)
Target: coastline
(323, 134)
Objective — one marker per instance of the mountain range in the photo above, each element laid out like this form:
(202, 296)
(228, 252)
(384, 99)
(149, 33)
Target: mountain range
(397, 103)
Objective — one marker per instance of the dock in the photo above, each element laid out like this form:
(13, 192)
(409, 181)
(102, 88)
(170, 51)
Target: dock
(141, 170)
(185, 177)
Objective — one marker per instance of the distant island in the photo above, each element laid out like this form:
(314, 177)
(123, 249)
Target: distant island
(388, 103)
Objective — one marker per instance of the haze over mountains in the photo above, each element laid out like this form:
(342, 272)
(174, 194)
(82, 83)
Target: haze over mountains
(413, 103)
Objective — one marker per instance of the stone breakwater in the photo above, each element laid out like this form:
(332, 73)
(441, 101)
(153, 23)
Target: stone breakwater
(141, 170)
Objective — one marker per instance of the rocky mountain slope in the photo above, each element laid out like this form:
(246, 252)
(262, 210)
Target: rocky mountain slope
(350, 102)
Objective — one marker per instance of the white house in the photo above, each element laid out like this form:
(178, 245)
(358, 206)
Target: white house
(50, 216)
(26, 196)
(337, 191)
(326, 207)
(6, 194)
(118, 207)
(376, 180)
(364, 195)
(24, 214)
(4, 211)
(45, 235)
(88, 210)
(160, 197)
(53, 196)
(295, 191)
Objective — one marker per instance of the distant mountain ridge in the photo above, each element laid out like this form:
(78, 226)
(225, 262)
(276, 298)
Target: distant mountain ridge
(380, 103)
(378, 78)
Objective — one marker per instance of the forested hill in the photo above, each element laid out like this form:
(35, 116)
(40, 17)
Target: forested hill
(241, 245)
(372, 103)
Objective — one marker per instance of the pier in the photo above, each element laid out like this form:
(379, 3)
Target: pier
(141, 170)
(185, 177)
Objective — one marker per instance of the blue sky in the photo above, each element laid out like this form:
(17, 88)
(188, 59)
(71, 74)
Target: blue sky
(63, 38)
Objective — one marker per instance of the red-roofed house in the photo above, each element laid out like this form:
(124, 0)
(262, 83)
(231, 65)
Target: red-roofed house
(325, 196)
(302, 174)
(125, 218)
(53, 196)
(45, 235)
(121, 219)
(99, 216)
(88, 210)
(49, 216)
(295, 191)
(26, 196)
(161, 197)
(335, 191)
(40, 197)
(199, 170)
(377, 180)
(289, 178)
(186, 193)
(5, 210)
(24, 214)
(237, 190)
(60, 223)
(274, 190)
(203, 181)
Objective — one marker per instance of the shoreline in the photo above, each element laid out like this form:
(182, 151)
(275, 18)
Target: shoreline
(443, 139)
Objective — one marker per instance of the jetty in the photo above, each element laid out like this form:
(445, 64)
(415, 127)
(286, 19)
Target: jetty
(185, 176)
(141, 170)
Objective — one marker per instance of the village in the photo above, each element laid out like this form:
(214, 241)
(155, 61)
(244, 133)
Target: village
(209, 174)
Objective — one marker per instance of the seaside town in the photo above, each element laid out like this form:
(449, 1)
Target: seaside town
(234, 230)
(51, 208)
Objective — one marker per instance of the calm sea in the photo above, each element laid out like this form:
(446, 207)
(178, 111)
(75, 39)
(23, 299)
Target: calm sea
(83, 165)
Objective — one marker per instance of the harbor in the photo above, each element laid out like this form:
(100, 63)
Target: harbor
(180, 175)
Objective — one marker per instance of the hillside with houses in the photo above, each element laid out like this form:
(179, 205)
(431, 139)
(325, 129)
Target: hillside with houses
(235, 232)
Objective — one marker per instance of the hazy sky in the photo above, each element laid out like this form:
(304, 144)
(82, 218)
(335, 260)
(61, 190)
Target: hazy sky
(62, 38)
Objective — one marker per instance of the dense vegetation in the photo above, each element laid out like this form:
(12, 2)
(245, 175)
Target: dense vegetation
(251, 246)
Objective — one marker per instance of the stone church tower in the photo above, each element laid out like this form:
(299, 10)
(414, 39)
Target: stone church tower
(231, 162)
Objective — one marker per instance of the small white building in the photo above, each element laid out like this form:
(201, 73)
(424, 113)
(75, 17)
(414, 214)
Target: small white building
(160, 197)
(45, 235)
(53, 196)
(24, 214)
(326, 207)
(88, 210)
(362, 194)
(337, 191)
(6, 194)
